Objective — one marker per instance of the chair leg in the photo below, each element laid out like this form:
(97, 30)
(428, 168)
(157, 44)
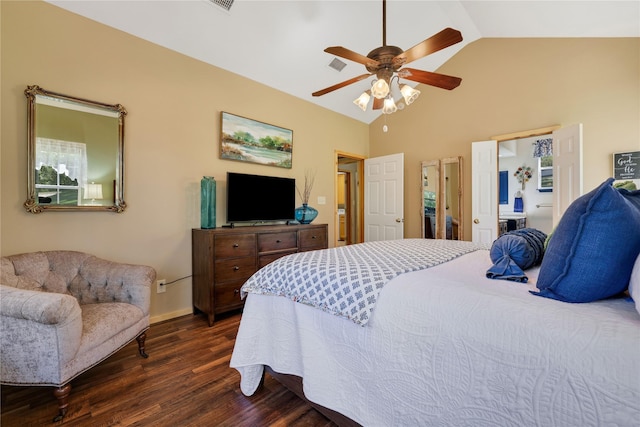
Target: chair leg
(62, 394)
(140, 338)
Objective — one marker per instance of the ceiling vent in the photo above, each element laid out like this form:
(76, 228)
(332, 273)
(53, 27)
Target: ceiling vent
(225, 4)
(337, 65)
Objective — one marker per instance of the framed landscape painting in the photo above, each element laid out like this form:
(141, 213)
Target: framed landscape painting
(248, 140)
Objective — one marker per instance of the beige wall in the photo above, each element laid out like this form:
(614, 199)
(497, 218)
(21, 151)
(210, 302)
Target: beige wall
(511, 85)
(171, 140)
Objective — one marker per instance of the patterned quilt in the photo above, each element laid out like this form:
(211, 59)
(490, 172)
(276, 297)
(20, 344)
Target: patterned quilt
(346, 281)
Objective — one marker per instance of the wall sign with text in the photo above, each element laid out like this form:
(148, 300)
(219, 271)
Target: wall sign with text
(626, 165)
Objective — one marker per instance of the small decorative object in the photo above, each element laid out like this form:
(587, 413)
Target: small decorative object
(518, 205)
(305, 214)
(523, 174)
(207, 202)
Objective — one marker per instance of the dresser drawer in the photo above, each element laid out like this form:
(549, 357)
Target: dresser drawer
(235, 268)
(269, 242)
(235, 245)
(266, 259)
(227, 296)
(313, 238)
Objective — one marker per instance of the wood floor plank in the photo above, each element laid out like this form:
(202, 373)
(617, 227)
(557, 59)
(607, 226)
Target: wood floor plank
(186, 381)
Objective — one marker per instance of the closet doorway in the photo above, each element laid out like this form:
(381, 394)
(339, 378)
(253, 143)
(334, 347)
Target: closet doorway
(349, 217)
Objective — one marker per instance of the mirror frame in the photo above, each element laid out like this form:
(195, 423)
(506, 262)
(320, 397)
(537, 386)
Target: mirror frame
(31, 204)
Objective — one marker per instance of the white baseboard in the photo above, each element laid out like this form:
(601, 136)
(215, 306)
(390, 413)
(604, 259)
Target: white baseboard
(172, 315)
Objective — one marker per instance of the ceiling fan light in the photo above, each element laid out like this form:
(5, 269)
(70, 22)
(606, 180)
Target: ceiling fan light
(409, 94)
(363, 100)
(380, 89)
(389, 106)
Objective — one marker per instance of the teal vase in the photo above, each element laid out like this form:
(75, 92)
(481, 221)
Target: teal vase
(305, 214)
(207, 202)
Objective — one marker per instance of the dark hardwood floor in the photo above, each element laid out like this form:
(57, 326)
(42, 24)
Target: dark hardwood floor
(186, 381)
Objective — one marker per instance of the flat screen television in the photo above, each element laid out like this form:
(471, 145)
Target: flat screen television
(257, 198)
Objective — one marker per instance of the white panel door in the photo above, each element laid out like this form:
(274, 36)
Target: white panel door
(384, 198)
(567, 168)
(484, 191)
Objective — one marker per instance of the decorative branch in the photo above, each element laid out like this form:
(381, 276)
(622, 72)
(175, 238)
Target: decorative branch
(309, 178)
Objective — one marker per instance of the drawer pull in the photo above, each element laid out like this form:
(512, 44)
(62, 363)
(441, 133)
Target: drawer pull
(235, 245)
(278, 241)
(236, 268)
(236, 291)
(313, 237)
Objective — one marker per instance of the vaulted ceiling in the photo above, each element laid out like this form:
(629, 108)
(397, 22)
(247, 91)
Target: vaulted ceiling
(281, 43)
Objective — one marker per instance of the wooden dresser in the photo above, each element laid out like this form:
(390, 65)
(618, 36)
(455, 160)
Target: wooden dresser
(224, 258)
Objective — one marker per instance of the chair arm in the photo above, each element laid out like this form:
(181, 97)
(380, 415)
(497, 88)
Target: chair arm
(107, 281)
(41, 332)
(43, 307)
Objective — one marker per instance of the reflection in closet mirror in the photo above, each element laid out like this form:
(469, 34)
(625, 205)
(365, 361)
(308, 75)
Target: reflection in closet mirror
(430, 187)
(442, 199)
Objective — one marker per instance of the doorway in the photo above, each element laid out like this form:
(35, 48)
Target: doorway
(565, 179)
(349, 217)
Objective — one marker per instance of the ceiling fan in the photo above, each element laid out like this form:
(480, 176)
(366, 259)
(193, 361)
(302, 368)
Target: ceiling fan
(386, 63)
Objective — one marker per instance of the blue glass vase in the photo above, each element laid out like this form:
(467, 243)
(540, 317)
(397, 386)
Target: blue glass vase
(305, 214)
(207, 202)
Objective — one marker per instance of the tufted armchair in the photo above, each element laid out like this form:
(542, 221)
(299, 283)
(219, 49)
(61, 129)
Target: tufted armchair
(63, 312)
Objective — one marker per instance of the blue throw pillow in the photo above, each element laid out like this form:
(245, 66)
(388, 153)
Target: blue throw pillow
(593, 248)
(514, 252)
(632, 196)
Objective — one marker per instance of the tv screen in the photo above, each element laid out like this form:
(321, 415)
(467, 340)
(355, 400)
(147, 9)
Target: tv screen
(259, 198)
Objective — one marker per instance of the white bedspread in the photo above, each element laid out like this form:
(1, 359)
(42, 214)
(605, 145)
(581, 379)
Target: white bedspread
(347, 280)
(448, 347)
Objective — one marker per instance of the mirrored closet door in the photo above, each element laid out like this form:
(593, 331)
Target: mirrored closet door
(441, 190)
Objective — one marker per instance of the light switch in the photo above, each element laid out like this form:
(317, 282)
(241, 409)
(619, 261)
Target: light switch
(322, 200)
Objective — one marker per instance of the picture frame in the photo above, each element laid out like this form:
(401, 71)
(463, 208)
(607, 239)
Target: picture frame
(247, 140)
(626, 165)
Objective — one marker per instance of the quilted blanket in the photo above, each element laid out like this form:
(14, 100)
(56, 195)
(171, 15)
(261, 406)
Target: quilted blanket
(346, 281)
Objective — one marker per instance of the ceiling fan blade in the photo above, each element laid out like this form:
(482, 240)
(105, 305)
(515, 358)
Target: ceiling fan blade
(444, 38)
(378, 103)
(433, 79)
(340, 85)
(343, 52)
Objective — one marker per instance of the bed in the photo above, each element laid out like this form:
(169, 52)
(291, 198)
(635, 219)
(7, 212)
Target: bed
(445, 345)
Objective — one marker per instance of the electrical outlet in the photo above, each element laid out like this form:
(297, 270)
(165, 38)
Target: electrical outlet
(161, 286)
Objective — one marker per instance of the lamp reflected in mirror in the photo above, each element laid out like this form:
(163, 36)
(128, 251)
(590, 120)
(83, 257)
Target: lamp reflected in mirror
(93, 191)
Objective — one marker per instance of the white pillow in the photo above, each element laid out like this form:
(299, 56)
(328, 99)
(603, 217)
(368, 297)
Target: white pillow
(634, 283)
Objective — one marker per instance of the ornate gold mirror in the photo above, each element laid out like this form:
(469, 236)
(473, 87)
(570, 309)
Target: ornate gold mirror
(75, 153)
(441, 189)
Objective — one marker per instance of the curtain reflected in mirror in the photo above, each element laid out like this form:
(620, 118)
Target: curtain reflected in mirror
(441, 189)
(75, 153)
